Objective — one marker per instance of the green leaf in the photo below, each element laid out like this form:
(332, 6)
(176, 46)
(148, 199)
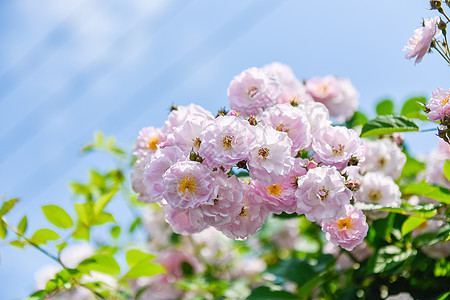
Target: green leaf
(115, 231)
(7, 206)
(444, 296)
(101, 263)
(42, 236)
(383, 227)
(57, 216)
(411, 223)
(145, 270)
(136, 257)
(61, 246)
(85, 212)
(385, 107)
(264, 292)
(135, 223)
(424, 189)
(103, 218)
(412, 167)
(81, 233)
(98, 139)
(3, 230)
(296, 270)
(447, 169)
(412, 108)
(18, 244)
(22, 227)
(103, 200)
(388, 124)
(358, 119)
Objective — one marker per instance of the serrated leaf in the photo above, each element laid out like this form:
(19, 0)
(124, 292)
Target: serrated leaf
(447, 169)
(7, 206)
(135, 257)
(42, 236)
(3, 230)
(22, 227)
(57, 216)
(411, 223)
(388, 124)
(385, 107)
(103, 200)
(144, 270)
(412, 108)
(424, 189)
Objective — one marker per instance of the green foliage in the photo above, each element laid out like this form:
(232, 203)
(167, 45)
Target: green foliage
(413, 108)
(358, 119)
(7, 206)
(264, 292)
(42, 236)
(424, 189)
(22, 227)
(387, 124)
(57, 216)
(385, 107)
(140, 265)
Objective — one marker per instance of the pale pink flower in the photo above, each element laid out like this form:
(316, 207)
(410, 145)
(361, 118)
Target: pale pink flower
(226, 141)
(252, 91)
(381, 189)
(187, 135)
(160, 162)
(251, 218)
(188, 184)
(435, 165)
(321, 193)
(337, 94)
(270, 155)
(383, 156)
(336, 145)
(147, 141)
(292, 90)
(277, 197)
(173, 262)
(293, 121)
(317, 115)
(347, 230)
(420, 42)
(226, 203)
(137, 179)
(438, 105)
(181, 222)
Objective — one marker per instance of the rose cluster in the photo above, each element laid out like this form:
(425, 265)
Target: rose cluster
(276, 151)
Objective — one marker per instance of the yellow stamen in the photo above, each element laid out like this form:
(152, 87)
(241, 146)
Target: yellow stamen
(375, 195)
(252, 92)
(187, 183)
(445, 101)
(323, 194)
(339, 150)
(226, 141)
(345, 223)
(275, 189)
(152, 143)
(243, 212)
(264, 152)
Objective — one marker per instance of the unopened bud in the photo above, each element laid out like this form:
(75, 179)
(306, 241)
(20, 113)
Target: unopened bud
(311, 165)
(173, 107)
(195, 157)
(233, 113)
(442, 25)
(353, 185)
(242, 164)
(435, 4)
(445, 121)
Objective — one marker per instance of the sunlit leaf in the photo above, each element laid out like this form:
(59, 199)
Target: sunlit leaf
(411, 223)
(22, 227)
(358, 119)
(424, 189)
(144, 270)
(103, 200)
(42, 236)
(115, 231)
(412, 166)
(7, 206)
(447, 169)
(18, 244)
(3, 230)
(387, 124)
(85, 212)
(136, 257)
(57, 216)
(101, 263)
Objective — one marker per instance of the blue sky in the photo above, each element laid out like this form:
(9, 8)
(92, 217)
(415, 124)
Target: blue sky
(68, 68)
